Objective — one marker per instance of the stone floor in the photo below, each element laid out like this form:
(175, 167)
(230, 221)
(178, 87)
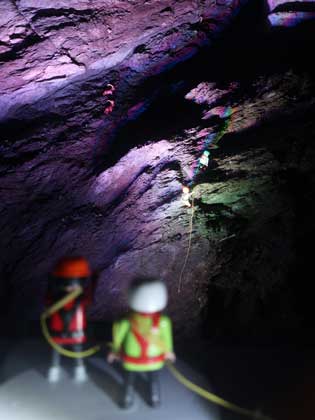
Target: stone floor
(25, 393)
(274, 378)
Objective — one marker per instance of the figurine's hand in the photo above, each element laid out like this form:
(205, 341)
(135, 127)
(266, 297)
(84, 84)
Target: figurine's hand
(112, 357)
(170, 356)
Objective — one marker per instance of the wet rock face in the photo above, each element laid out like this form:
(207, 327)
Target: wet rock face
(76, 181)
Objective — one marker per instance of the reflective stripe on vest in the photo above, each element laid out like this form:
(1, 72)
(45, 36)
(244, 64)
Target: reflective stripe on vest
(144, 343)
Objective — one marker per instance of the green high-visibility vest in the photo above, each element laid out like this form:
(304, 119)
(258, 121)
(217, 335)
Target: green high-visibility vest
(142, 340)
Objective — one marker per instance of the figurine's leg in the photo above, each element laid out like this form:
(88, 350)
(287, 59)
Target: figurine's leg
(54, 371)
(154, 384)
(129, 392)
(80, 374)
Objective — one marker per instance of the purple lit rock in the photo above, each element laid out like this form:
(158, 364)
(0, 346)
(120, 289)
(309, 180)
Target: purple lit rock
(209, 93)
(273, 4)
(59, 192)
(47, 48)
(290, 13)
(290, 19)
(76, 182)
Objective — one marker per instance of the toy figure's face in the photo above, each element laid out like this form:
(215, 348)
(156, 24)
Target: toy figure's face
(148, 297)
(67, 284)
(185, 190)
(72, 287)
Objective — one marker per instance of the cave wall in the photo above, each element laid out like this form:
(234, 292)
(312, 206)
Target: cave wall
(76, 181)
(290, 13)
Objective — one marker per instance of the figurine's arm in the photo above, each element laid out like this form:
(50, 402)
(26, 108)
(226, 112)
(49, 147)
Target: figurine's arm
(120, 329)
(167, 336)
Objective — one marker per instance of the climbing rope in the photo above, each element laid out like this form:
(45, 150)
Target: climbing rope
(189, 246)
(50, 311)
(212, 397)
(212, 138)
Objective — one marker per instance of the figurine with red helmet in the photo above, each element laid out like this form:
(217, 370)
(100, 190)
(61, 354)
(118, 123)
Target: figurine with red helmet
(67, 326)
(109, 94)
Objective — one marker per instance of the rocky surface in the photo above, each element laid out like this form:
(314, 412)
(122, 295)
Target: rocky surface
(74, 181)
(290, 12)
(48, 52)
(56, 61)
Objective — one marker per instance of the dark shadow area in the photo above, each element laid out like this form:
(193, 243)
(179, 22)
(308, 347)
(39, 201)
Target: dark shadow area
(278, 126)
(295, 6)
(237, 313)
(9, 350)
(276, 380)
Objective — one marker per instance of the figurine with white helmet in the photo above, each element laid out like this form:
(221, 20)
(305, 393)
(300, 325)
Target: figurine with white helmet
(143, 340)
(204, 160)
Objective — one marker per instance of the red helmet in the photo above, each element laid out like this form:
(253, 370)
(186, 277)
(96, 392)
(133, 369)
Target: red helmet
(72, 267)
(109, 86)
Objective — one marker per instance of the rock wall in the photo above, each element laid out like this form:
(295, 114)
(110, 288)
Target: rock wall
(290, 13)
(76, 181)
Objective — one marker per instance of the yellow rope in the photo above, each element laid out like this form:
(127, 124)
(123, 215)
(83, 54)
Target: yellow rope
(184, 381)
(51, 310)
(189, 246)
(212, 397)
(219, 135)
(63, 302)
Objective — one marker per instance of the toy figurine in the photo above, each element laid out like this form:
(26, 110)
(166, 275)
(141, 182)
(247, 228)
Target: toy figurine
(186, 196)
(109, 106)
(143, 340)
(109, 90)
(204, 160)
(109, 94)
(67, 326)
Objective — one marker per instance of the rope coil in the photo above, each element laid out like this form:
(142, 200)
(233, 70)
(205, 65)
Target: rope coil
(50, 311)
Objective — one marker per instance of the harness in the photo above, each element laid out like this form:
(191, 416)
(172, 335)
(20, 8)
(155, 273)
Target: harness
(144, 339)
(67, 325)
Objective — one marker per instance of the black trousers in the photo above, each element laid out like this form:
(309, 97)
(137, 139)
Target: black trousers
(153, 388)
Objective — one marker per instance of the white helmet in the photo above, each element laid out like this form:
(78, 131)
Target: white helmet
(147, 295)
